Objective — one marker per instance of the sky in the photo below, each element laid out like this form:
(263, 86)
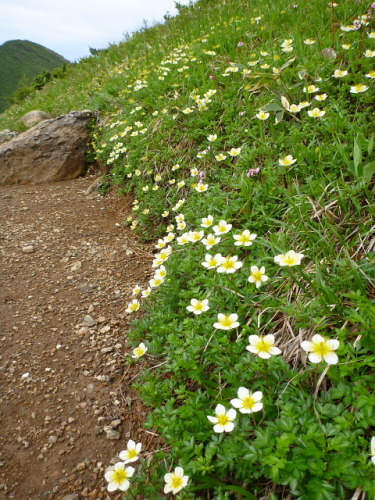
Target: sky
(70, 27)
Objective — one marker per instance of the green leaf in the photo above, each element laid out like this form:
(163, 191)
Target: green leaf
(368, 171)
(357, 157)
(370, 145)
(272, 106)
(210, 482)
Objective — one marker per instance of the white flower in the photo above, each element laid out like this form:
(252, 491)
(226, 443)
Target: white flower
(226, 321)
(263, 346)
(257, 276)
(373, 449)
(195, 235)
(294, 108)
(222, 228)
(161, 272)
(289, 259)
(321, 349)
(247, 402)
(118, 477)
(175, 481)
(211, 262)
(146, 293)
(234, 151)
(287, 160)
(356, 89)
(223, 419)
(210, 241)
(139, 351)
(131, 453)
(229, 265)
(201, 187)
(220, 157)
(262, 115)
(156, 281)
(212, 137)
(133, 306)
(198, 306)
(207, 221)
(316, 112)
(245, 238)
(340, 73)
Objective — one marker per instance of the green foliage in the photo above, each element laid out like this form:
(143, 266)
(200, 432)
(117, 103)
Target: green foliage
(180, 131)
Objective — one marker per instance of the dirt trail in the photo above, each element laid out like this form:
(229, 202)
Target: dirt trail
(67, 272)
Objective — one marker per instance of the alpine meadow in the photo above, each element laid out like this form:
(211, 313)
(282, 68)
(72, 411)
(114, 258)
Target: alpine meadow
(243, 132)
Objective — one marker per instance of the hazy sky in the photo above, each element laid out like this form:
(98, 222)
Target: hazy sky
(70, 27)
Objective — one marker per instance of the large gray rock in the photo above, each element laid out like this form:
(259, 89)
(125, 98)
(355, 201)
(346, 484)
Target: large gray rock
(7, 135)
(53, 150)
(34, 117)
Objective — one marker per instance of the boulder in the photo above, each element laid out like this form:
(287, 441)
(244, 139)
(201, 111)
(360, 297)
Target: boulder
(53, 150)
(6, 135)
(34, 117)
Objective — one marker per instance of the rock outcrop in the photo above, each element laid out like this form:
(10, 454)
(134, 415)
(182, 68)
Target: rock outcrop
(7, 135)
(34, 117)
(53, 150)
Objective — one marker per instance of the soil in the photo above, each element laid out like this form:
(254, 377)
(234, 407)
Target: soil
(68, 267)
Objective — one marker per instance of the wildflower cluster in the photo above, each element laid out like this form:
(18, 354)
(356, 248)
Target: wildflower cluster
(242, 134)
(118, 476)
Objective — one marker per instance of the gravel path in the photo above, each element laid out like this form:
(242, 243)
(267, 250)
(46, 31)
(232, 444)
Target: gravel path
(67, 268)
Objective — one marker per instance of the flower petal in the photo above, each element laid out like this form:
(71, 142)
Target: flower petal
(306, 345)
(231, 414)
(179, 471)
(212, 419)
(237, 403)
(331, 358)
(373, 445)
(257, 396)
(333, 344)
(264, 355)
(243, 392)
(218, 428)
(317, 339)
(315, 358)
(220, 409)
(229, 427)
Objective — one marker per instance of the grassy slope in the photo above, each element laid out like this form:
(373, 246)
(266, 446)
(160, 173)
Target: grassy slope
(161, 94)
(23, 59)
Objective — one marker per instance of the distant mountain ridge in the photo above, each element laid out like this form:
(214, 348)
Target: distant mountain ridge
(23, 60)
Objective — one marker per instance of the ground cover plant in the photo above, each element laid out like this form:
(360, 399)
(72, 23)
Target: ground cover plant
(245, 133)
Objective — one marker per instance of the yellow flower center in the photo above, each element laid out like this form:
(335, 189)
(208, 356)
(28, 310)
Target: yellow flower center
(199, 306)
(228, 264)
(321, 348)
(264, 345)
(222, 419)
(244, 238)
(226, 321)
(132, 453)
(176, 482)
(119, 476)
(248, 403)
(290, 260)
(257, 275)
